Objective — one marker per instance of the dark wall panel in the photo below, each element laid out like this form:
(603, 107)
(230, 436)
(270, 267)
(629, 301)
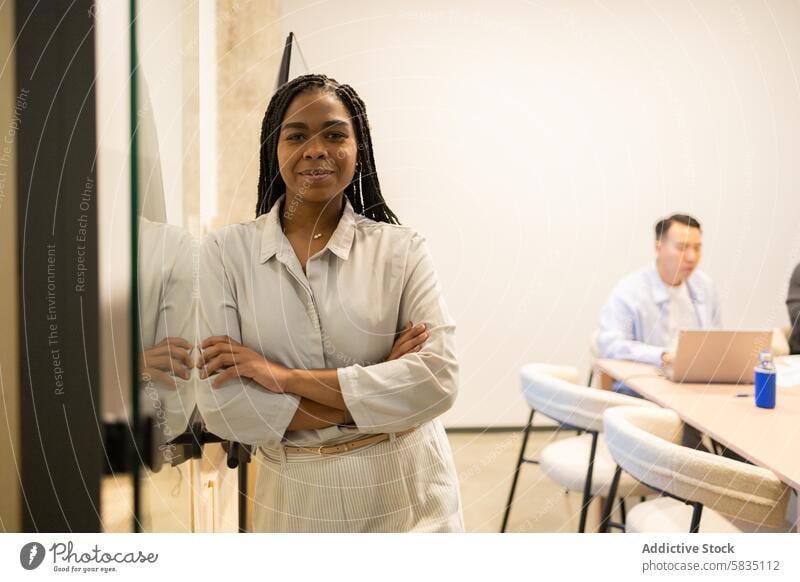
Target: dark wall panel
(60, 424)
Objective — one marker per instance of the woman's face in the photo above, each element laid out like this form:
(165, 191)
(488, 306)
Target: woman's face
(317, 148)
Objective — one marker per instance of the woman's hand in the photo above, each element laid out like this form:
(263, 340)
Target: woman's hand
(229, 359)
(409, 340)
(167, 360)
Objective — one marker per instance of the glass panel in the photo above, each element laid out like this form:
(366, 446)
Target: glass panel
(165, 189)
(183, 481)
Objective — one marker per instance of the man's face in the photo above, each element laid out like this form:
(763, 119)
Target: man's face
(678, 253)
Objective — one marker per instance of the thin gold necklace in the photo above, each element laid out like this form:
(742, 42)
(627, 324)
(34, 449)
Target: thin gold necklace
(313, 237)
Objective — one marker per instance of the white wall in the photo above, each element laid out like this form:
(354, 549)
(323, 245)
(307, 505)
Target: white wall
(535, 145)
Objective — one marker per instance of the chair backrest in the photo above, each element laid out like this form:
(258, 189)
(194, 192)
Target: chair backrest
(567, 402)
(645, 443)
(566, 373)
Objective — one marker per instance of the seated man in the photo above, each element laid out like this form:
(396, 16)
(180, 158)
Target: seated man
(648, 308)
(793, 305)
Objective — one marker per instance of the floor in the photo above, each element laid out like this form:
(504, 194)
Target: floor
(485, 464)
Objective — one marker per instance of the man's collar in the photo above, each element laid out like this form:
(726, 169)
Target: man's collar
(273, 239)
(660, 293)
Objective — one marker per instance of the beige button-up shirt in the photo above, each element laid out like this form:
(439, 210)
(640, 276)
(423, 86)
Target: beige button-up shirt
(357, 293)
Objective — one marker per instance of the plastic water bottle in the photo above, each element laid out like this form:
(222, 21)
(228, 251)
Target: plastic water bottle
(765, 381)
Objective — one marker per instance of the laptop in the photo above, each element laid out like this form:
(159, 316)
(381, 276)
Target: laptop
(717, 356)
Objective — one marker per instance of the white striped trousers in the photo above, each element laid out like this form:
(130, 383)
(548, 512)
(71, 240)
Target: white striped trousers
(408, 483)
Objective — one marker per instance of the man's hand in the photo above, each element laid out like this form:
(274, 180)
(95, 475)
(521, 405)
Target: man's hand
(410, 339)
(229, 359)
(667, 358)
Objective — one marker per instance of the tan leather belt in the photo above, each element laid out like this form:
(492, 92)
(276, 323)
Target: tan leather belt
(344, 447)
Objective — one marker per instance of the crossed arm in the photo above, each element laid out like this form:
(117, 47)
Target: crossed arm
(321, 401)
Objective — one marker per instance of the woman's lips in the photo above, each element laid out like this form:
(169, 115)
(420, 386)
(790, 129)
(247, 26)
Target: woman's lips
(316, 177)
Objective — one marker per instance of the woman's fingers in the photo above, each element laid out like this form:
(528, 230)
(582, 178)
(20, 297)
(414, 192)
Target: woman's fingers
(223, 360)
(218, 339)
(166, 363)
(408, 340)
(227, 374)
(211, 352)
(412, 344)
(406, 333)
(173, 351)
(406, 327)
(183, 355)
(409, 334)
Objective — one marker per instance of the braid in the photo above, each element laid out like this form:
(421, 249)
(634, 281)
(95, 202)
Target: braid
(364, 192)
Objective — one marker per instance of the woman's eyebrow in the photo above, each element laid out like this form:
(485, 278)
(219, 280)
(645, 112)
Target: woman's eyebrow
(301, 125)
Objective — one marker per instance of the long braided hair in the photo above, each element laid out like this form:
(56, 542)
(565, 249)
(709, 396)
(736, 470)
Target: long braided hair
(364, 192)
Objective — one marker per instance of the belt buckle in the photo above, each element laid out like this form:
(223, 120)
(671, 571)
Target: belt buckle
(319, 450)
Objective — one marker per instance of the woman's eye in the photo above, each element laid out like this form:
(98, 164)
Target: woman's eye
(295, 137)
(337, 136)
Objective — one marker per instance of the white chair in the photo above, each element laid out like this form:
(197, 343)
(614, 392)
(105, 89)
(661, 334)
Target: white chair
(700, 488)
(567, 373)
(579, 463)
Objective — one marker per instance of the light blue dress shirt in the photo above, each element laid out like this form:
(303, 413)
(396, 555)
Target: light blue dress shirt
(634, 324)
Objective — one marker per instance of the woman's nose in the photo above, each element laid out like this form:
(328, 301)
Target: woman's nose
(314, 150)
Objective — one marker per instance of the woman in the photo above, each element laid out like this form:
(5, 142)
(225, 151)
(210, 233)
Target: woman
(309, 355)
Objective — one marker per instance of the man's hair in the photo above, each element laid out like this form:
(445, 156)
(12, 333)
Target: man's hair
(364, 192)
(663, 225)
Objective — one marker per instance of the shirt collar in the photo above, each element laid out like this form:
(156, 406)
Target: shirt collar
(273, 239)
(660, 293)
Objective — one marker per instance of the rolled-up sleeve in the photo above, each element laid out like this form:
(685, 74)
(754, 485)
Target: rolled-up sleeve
(238, 410)
(400, 394)
(618, 330)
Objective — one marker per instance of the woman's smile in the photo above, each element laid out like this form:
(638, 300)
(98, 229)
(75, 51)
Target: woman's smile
(316, 175)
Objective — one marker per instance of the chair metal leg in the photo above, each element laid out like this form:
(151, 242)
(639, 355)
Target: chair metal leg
(612, 495)
(697, 514)
(591, 377)
(622, 512)
(242, 497)
(520, 460)
(587, 486)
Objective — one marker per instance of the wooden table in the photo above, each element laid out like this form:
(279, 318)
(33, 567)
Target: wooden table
(767, 438)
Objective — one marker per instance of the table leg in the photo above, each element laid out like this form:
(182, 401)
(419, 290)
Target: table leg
(604, 381)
